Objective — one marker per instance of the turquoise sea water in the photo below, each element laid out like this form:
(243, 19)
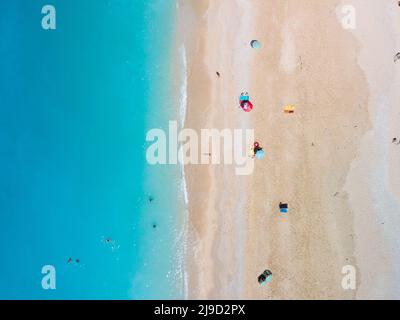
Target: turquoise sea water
(75, 105)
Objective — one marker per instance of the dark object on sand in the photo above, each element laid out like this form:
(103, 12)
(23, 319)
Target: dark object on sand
(218, 74)
(397, 57)
(258, 151)
(283, 207)
(265, 277)
(256, 147)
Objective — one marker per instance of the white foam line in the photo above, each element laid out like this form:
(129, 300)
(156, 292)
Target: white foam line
(182, 114)
(184, 235)
(183, 97)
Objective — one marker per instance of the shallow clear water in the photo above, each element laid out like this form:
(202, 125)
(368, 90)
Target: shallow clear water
(75, 105)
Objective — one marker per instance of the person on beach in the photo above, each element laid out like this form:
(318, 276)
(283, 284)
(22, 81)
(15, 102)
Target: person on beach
(256, 148)
(108, 240)
(244, 102)
(244, 96)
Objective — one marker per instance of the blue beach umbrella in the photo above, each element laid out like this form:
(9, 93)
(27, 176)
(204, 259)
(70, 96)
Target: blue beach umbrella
(260, 154)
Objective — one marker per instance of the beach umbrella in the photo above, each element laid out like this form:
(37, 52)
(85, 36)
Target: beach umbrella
(260, 154)
(255, 44)
(265, 277)
(247, 106)
(283, 207)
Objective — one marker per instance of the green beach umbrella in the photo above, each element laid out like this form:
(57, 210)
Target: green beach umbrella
(255, 44)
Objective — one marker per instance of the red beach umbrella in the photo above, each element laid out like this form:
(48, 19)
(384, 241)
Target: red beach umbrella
(247, 106)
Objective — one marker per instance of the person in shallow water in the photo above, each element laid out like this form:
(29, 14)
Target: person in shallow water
(71, 261)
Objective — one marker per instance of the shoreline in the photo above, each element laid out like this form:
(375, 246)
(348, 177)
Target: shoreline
(233, 222)
(188, 23)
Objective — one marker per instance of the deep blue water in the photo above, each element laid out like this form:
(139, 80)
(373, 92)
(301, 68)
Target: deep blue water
(74, 106)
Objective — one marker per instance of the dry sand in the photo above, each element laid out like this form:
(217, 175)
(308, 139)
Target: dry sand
(373, 182)
(332, 161)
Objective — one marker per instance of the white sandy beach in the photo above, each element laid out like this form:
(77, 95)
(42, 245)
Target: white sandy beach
(332, 161)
